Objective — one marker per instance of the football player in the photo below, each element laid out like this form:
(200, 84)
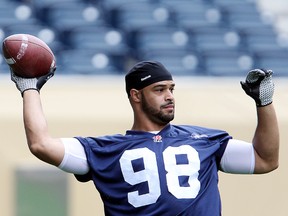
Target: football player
(157, 168)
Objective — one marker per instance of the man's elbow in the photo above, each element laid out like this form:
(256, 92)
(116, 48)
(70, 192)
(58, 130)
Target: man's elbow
(267, 166)
(37, 149)
(48, 150)
(273, 166)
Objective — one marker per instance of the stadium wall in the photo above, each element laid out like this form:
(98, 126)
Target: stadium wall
(92, 106)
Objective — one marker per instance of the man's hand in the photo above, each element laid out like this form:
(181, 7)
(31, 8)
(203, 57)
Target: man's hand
(259, 86)
(36, 83)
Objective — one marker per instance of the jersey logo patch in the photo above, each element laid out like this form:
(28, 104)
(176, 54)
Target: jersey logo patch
(198, 136)
(157, 138)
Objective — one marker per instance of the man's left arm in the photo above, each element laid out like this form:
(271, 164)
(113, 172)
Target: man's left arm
(260, 87)
(266, 140)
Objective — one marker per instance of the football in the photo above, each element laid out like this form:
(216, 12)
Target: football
(27, 55)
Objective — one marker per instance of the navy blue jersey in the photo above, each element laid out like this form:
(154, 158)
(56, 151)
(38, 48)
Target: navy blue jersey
(174, 172)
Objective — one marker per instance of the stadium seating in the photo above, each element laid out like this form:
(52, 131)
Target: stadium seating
(3, 66)
(262, 39)
(160, 38)
(273, 59)
(101, 38)
(89, 61)
(67, 15)
(191, 37)
(194, 14)
(228, 63)
(179, 62)
(215, 38)
(134, 16)
(15, 13)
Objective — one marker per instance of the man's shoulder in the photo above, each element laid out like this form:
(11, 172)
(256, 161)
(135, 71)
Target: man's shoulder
(193, 128)
(102, 140)
(198, 130)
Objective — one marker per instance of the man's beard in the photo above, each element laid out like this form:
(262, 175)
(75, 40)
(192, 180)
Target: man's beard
(154, 115)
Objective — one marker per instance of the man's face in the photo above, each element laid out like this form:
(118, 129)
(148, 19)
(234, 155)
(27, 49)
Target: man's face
(158, 102)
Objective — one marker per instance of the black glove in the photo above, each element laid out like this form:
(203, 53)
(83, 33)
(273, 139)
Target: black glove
(259, 86)
(36, 83)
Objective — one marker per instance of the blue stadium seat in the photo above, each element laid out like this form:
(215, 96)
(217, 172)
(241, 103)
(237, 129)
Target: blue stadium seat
(89, 62)
(98, 38)
(237, 6)
(256, 30)
(192, 14)
(3, 33)
(137, 15)
(228, 63)
(40, 4)
(262, 43)
(275, 60)
(215, 38)
(67, 15)
(109, 5)
(240, 14)
(160, 38)
(4, 69)
(16, 13)
(179, 62)
(261, 39)
(244, 20)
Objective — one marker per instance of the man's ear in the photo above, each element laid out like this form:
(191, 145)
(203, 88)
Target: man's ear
(135, 95)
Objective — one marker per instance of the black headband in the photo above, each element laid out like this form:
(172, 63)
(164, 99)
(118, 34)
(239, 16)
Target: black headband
(146, 73)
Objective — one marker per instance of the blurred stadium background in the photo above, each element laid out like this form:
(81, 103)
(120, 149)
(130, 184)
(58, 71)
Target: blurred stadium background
(192, 37)
(207, 44)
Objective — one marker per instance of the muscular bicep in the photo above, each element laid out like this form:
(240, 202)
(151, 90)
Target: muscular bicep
(48, 149)
(238, 157)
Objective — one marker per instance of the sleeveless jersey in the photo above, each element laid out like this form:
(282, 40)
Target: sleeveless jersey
(174, 172)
